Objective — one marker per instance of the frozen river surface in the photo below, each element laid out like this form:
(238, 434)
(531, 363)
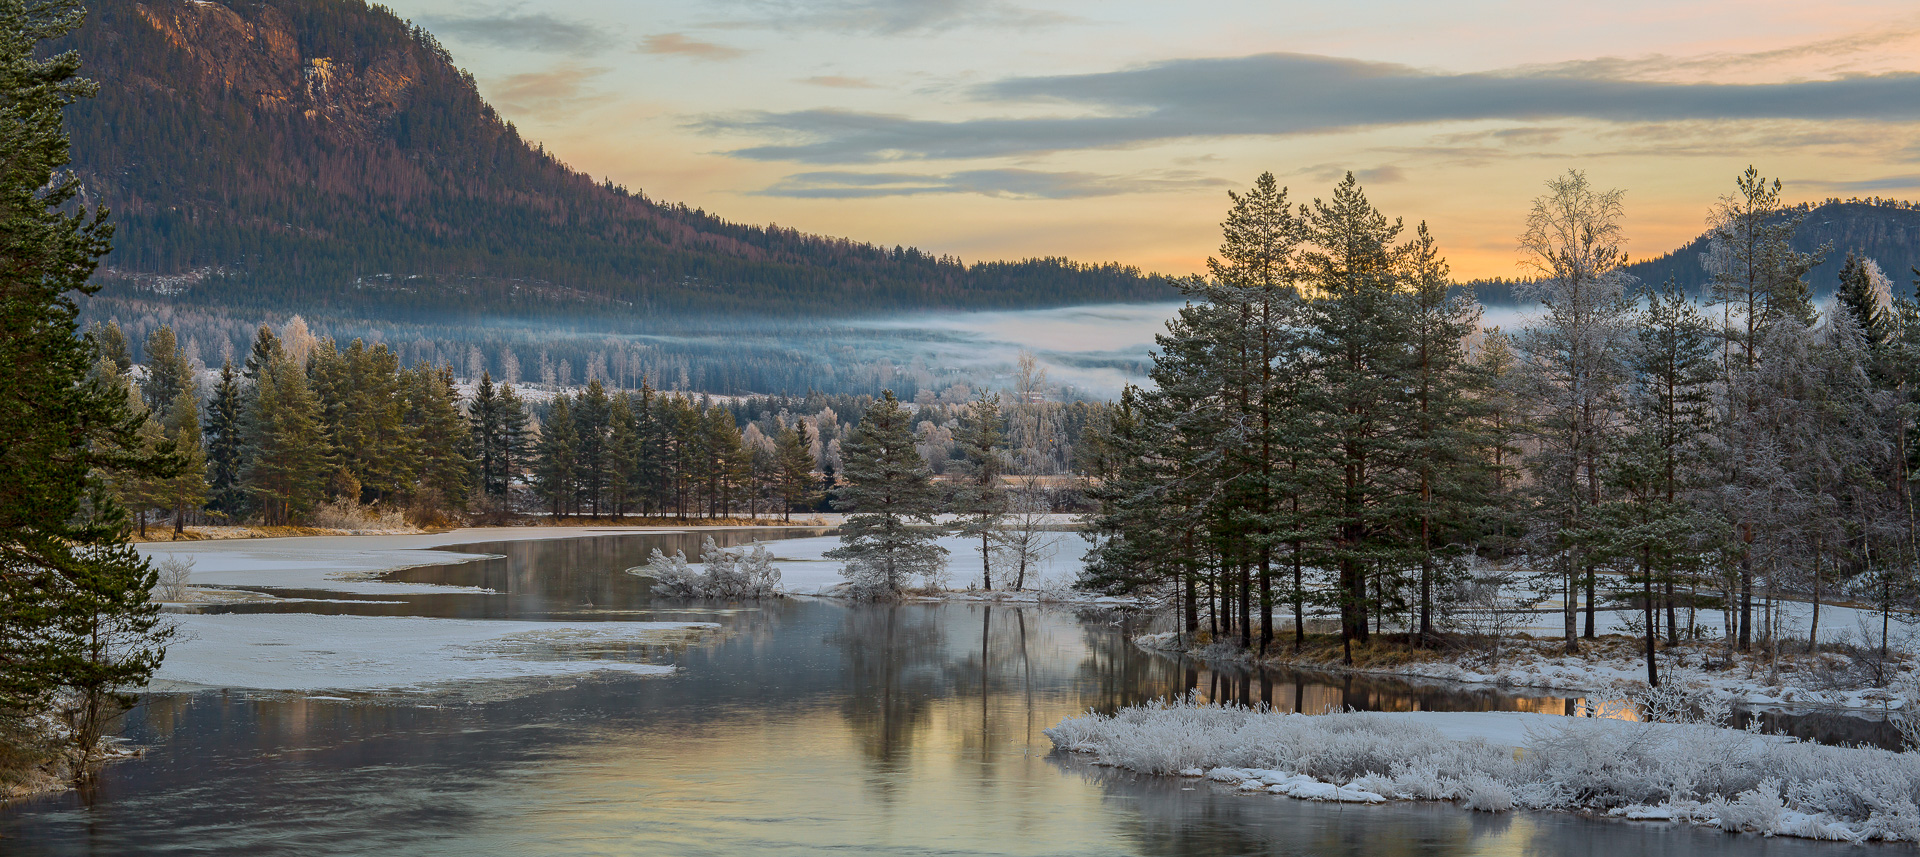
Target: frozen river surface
(805, 726)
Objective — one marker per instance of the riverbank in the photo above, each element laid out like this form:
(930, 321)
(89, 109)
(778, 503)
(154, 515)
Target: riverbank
(1734, 780)
(1612, 666)
(158, 534)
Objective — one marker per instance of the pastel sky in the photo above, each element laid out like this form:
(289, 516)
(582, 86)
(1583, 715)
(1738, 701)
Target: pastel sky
(1112, 130)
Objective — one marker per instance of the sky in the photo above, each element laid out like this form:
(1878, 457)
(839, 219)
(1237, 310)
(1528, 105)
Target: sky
(1113, 130)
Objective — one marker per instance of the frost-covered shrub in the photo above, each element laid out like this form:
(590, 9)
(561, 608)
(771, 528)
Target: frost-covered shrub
(730, 573)
(174, 572)
(1757, 809)
(1672, 703)
(1733, 779)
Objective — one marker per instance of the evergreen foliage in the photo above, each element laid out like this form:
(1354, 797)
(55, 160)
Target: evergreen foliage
(888, 537)
(77, 625)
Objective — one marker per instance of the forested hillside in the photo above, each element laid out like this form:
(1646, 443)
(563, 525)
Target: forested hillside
(1884, 230)
(326, 157)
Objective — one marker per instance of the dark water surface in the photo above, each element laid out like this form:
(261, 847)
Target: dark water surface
(802, 727)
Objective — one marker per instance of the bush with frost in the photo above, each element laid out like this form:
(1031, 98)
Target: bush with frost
(174, 572)
(1731, 778)
(730, 573)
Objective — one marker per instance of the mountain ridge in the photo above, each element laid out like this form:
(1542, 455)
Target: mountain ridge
(325, 155)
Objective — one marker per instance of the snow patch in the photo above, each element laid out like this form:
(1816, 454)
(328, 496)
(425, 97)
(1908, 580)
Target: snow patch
(306, 652)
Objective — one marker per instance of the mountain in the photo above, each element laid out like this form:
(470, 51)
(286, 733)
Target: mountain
(1887, 231)
(1884, 230)
(326, 157)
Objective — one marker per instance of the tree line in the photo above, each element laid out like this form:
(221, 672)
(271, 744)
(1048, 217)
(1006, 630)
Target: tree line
(305, 431)
(1330, 431)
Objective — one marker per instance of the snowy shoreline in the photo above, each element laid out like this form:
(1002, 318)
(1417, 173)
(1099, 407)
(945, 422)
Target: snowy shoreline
(1609, 667)
(1736, 780)
(309, 652)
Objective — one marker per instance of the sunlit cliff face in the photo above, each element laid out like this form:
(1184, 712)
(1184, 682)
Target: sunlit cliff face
(1005, 128)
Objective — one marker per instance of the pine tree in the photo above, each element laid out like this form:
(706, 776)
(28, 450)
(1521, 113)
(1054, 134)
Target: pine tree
(1446, 409)
(167, 371)
(887, 491)
(1359, 326)
(75, 610)
(980, 499)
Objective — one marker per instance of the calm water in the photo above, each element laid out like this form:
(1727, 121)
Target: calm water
(803, 727)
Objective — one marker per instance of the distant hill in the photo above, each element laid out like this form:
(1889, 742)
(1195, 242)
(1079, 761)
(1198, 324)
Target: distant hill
(324, 156)
(1884, 230)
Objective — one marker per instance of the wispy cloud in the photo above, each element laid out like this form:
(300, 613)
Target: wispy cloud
(1292, 94)
(554, 92)
(836, 81)
(1388, 174)
(890, 17)
(1009, 183)
(1902, 182)
(676, 44)
(532, 32)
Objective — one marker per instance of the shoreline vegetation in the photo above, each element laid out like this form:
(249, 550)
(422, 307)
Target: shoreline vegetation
(1685, 773)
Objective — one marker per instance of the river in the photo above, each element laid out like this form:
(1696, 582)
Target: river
(802, 726)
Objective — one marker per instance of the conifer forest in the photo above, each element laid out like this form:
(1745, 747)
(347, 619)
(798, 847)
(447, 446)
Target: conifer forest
(374, 479)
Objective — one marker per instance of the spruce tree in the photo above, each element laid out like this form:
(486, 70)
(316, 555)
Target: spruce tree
(794, 459)
(888, 537)
(554, 463)
(289, 455)
(187, 488)
(225, 446)
(441, 435)
(980, 499)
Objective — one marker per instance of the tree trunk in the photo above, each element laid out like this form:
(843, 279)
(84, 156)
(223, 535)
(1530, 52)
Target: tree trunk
(1652, 628)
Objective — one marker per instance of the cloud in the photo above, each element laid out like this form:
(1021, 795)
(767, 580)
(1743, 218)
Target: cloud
(840, 82)
(1007, 183)
(535, 32)
(554, 92)
(676, 44)
(891, 17)
(1289, 94)
(1388, 174)
(1910, 180)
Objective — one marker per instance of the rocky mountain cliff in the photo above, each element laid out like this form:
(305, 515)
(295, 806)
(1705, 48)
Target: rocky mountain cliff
(325, 156)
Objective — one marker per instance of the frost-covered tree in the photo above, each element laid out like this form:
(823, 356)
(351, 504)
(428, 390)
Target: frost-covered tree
(888, 537)
(1571, 356)
(1758, 281)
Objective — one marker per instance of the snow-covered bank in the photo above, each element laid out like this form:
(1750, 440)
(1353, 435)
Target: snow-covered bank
(1732, 779)
(1611, 667)
(805, 569)
(350, 564)
(299, 651)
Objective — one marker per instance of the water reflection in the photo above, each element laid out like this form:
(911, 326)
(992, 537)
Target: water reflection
(803, 727)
